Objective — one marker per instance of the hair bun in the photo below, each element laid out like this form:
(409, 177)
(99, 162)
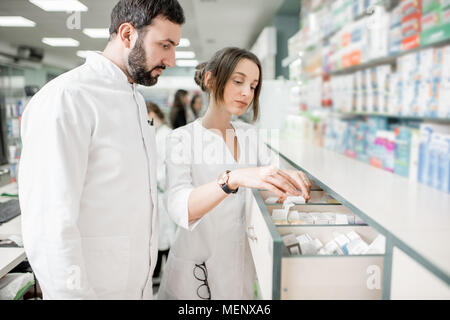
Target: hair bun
(200, 75)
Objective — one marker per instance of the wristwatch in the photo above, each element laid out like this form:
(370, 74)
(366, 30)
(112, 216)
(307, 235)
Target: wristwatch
(222, 181)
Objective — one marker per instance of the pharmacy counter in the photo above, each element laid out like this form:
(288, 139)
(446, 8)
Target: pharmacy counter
(12, 227)
(414, 218)
(10, 258)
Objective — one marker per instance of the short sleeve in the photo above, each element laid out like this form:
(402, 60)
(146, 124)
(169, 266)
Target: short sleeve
(179, 178)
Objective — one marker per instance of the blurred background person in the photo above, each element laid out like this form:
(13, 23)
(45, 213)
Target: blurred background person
(166, 227)
(178, 112)
(195, 109)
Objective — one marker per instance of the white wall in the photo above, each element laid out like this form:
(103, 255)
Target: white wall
(275, 103)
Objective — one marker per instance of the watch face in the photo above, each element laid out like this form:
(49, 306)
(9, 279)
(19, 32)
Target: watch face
(223, 178)
(220, 179)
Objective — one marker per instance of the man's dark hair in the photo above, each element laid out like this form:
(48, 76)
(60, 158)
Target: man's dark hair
(140, 13)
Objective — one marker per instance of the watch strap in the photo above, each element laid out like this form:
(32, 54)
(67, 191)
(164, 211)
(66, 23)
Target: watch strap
(227, 189)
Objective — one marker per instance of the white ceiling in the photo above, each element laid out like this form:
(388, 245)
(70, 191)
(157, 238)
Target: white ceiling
(210, 25)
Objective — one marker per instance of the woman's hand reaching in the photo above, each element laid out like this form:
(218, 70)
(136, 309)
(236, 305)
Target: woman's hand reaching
(281, 182)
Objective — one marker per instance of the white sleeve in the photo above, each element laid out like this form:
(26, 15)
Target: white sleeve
(56, 137)
(179, 179)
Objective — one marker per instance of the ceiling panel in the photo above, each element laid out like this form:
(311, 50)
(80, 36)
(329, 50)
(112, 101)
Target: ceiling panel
(210, 25)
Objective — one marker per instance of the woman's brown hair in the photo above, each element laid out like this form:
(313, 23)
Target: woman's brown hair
(221, 66)
(153, 107)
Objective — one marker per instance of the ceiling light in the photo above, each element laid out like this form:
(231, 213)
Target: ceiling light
(61, 42)
(97, 33)
(184, 54)
(59, 5)
(184, 43)
(187, 63)
(16, 21)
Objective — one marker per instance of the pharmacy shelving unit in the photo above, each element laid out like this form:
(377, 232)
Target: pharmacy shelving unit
(413, 218)
(393, 116)
(391, 59)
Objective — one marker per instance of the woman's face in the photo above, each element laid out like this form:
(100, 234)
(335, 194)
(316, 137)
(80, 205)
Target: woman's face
(185, 99)
(198, 104)
(239, 90)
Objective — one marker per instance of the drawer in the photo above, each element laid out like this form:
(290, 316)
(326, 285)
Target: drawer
(314, 186)
(265, 246)
(317, 197)
(331, 276)
(313, 206)
(284, 276)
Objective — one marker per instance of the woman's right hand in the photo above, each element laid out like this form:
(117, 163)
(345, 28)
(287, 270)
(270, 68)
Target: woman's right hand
(268, 178)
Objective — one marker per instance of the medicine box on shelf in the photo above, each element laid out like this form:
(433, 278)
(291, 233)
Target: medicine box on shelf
(317, 197)
(316, 214)
(282, 275)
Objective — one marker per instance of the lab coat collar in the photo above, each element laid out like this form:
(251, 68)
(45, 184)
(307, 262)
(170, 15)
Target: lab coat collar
(104, 66)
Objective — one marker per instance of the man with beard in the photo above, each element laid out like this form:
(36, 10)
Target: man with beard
(87, 176)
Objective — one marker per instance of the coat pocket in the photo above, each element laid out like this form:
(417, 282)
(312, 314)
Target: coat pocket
(107, 261)
(179, 282)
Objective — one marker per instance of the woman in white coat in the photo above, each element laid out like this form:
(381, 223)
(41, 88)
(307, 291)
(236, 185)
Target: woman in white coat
(209, 162)
(167, 228)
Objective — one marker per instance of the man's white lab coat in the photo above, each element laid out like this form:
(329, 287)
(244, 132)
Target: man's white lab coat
(87, 186)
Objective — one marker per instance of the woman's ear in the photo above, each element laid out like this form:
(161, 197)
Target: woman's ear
(208, 82)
